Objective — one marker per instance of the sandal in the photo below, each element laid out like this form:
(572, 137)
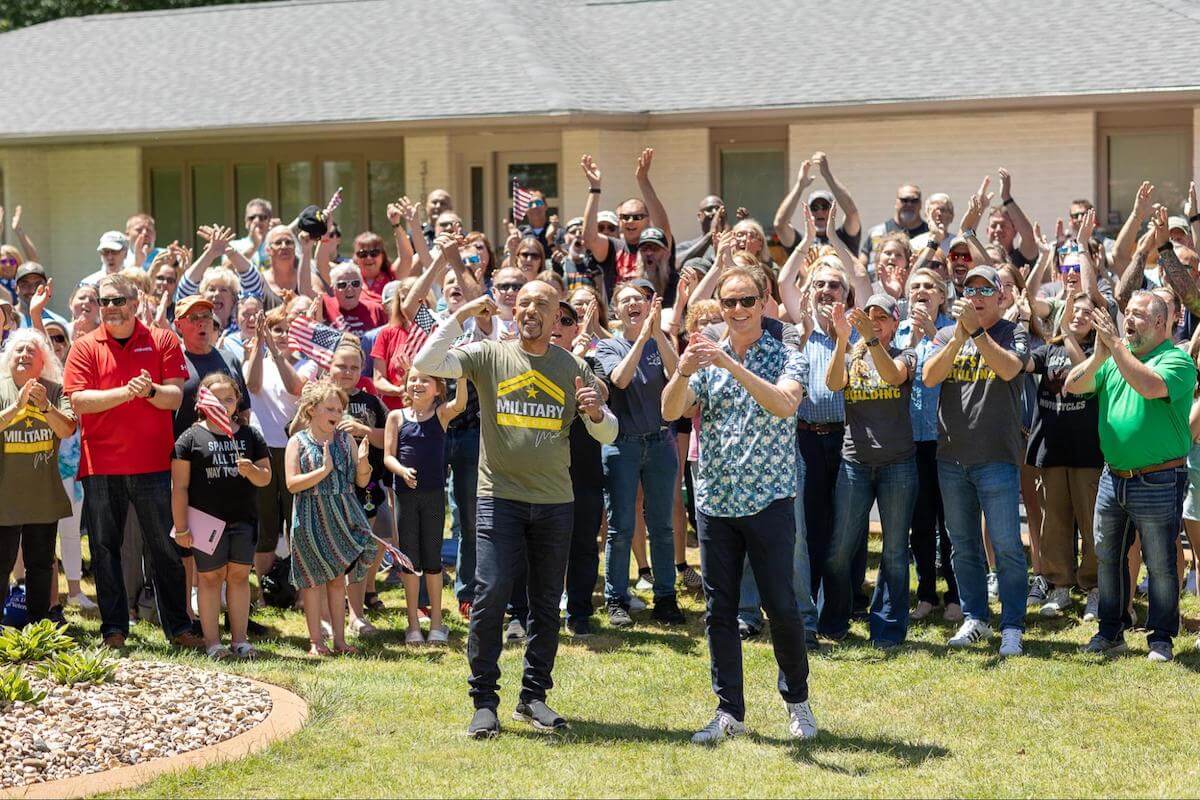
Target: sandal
(371, 600)
(414, 636)
(440, 635)
(244, 650)
(346, 650)
(318, 650)
(218, 652)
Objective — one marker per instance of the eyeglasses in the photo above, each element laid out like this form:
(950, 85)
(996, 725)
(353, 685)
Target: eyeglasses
(630, 217)
(8, 262)
(369, 253)
(606, 228)
(909, 201)
(1065, 268)
(163, 278)
(822, 284)
(1077, 214)
(58, 338)
(733, 302)
(982, 291)
(710, 210)
(536, 203)
(283, 244)
(960, 256)
(926, 287)
(529, 255)
(257, 217)
(567, 322)
(198, 317)
(509, 287)
(351, 284)
(819, 205)
(115, 302)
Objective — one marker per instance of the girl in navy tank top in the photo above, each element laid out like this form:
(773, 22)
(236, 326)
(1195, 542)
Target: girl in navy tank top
(414, 452)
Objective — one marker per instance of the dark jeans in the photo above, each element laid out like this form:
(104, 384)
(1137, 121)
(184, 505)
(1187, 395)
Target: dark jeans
(511, 536)
(36, 543)
(462, 454)
(930, 542)
(106, 501)
(768, 538)
(583, 563)
(1152, 505)
(822, 454)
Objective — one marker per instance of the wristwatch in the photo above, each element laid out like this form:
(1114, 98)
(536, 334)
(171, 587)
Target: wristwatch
(153, 391)
(965, 232)
(1008, 202)
(874, 340)
(1194, 218)
(979, 332)
(594, 190)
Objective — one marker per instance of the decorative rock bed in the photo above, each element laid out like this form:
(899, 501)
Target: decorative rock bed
(147, 711)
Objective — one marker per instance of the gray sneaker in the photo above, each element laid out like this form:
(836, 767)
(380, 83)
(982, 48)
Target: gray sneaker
(1057, 603)
(1039, 588)
(1160, 652)
(618, 617)
(1100, 646)
(723, 726)
(514, 631)
(801, 723)
(1091, 609)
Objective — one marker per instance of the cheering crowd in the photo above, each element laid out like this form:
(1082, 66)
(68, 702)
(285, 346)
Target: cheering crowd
(595, 390)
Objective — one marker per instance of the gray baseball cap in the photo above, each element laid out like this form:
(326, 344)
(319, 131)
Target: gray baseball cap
(987, 273)
(884, 302)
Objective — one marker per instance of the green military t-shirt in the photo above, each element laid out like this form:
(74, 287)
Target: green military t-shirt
(29, 479)
(1136, 432)
(526, 407)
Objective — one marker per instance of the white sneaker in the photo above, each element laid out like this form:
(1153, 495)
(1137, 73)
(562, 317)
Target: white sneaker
(970, 631)
(83, 601)
(993, 584)
(953, 613)
(801, 723)
(1057, 603)
(636, 603)
(1010, 642)
(723, 726)
(363, 629)
(643, 584)
(924, 609)
(1091, 609)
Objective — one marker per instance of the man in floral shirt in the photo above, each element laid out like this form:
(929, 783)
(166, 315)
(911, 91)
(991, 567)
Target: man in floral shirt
(746, 388)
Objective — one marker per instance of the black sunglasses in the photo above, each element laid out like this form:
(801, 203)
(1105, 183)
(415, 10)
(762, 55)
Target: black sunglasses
(115, 302)
(909, 201)
(256, 217)
(370, 253)
(58, 338)
(630, 217)
(509, 287)
(734, 302)
(567, 321)
(353, 284)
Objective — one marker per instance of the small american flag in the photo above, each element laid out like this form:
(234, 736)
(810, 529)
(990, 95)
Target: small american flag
(334, 202)
(314, 340)
(521, 198)
(213, 410)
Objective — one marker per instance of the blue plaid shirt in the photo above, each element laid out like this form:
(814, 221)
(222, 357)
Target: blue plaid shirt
(820, 406)
(747, 454)
(923, 406)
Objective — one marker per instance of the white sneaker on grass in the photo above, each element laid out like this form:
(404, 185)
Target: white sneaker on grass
(970, 632)
(643, 584)
(1091, 609)
(723, 726)
(1010, 642)
(1057, 603)
(83, 601)
(801, 722)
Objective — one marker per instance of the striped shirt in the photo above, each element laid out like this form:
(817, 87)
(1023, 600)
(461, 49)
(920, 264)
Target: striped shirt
(820, 406)
(251, 284)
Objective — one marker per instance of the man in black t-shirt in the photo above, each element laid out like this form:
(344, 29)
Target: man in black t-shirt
(906, 218)
(819, 203)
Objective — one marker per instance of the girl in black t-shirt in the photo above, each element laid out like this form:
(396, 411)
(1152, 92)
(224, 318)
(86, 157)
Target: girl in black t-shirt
(218, 474)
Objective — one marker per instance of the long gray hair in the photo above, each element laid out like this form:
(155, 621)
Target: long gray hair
(51, 369)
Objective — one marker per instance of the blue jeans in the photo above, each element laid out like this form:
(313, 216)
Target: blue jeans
(858, 487)
(750, 611)
(651, 461)
(462, 454)
(994, 488)
(512, 538)
(767, 539)
(1152, 505)
(106, 500)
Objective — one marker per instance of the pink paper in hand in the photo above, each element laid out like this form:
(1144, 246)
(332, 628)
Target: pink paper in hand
(206, 530)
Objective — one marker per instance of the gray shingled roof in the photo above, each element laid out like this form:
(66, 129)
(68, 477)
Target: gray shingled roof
(333, 61)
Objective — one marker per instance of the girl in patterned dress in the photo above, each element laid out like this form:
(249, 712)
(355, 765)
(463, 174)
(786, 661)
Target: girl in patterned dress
(331, 537)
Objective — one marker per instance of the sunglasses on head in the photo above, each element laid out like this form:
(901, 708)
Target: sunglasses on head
(370, 252)
(733, 302)
(982, 291)
(115, 302)
(509, 287)
(350, 284)
(630, 217)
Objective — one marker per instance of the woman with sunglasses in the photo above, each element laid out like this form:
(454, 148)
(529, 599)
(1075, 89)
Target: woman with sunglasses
(164, 273)
(529, 257)
(372, 261)
(1073, 267)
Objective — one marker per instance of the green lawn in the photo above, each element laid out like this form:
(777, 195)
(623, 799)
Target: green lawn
(923, 721)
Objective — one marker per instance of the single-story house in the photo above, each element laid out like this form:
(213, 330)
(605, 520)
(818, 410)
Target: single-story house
(189, 113)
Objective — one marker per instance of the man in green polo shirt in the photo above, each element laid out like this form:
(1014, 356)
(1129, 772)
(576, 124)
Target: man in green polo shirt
(1145, 386)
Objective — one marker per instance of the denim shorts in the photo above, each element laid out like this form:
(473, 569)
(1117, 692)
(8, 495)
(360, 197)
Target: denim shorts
(236, 546)
(1191, 501)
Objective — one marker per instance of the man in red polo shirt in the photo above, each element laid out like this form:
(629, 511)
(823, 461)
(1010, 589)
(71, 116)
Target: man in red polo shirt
(125, 381)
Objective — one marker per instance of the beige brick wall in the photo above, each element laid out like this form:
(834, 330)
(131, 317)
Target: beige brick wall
(426, 165)
(1051, 156)
(70, 196)
(680, 171)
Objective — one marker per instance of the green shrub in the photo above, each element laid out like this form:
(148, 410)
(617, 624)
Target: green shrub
(14, 687)
(34, 642)
(86, 666)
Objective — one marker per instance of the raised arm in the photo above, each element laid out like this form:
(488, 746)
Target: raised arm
(1037, 276)
(252, 357)
(26, 244)
(787, 208)
(412, 215)
(978, 203)
(595, 241)
(1020, 222)
(793, 271)
(1127, 238)
(678, 399)
(435, 357)
(654, 206)
(855, 269)
(1087, 267)
(852, 224)
(405, 255)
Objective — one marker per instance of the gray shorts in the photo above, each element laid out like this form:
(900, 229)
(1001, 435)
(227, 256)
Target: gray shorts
(236, 546)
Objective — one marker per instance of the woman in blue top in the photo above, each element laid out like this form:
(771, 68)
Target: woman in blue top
(930, 543)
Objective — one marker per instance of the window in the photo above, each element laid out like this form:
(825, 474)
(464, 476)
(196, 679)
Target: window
(295, 189)
(754, 178)
(385, 184)
(1161, 157)
(166, 203)
(208, 199)
(477, 198)
(342, 174)
(249, 183)
(541, 176)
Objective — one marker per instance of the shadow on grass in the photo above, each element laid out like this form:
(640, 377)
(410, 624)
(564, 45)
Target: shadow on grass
(608, 640)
